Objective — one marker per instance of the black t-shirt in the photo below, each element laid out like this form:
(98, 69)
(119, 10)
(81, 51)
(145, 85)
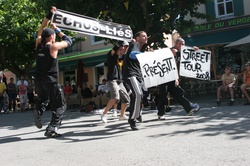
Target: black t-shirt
(12, 88)
(46, 66)
(86, 93)
(131, 67)
(114, 71)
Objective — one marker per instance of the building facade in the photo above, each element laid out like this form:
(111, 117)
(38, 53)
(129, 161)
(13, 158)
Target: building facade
(229, 20)
(92, 53)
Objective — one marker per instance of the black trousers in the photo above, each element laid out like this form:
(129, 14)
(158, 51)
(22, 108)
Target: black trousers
(177, 93)
(51, 94)
(12, 101)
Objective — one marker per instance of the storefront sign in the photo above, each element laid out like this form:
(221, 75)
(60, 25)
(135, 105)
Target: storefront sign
(229, 23)
(91, 26)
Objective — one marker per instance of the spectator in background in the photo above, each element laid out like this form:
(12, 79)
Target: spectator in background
(2, 95)
(73, 86)
(103, 89)
(246, 83)
(26, 84)
(228, 80)
(30, 93)
(86, 92)
(67, 91)
(22, 89)
(19, 81)
(94, 90)
(12, 94)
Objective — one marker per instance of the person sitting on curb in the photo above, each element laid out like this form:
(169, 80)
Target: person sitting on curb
(103, 89)
(246, 83)
(228, 80)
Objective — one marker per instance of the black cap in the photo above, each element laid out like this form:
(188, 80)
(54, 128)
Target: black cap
(47, 32)
(122, 43)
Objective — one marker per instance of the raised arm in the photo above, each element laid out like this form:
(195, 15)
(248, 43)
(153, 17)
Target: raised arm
(66, 41)
(44, 24)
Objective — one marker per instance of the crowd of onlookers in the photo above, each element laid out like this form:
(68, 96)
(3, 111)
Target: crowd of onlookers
(86, 92)
(230, 83)
(19, 96)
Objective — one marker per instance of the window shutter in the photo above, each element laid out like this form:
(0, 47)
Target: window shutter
(210, 9)
(238, 7)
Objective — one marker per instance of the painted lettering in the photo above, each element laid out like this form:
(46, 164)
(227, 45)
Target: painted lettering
(189, 66)
(158, 68)
(191, 54)
(204, 76)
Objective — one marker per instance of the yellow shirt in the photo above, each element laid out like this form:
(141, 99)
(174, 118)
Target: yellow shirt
(228, 79)
(247, 74)
(2, 87)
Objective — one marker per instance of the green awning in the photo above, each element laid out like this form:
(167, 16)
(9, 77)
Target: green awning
(90, 61)
(220, 37)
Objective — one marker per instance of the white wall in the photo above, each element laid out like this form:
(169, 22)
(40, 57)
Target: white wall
(246, 7)
(88, 46)
(202, 9)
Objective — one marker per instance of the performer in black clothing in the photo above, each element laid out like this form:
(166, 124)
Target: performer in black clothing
(174, 89)
(133, 77)
(48, 89)
(114, 78)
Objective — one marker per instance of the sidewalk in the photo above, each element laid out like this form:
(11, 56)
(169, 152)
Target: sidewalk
(214, 136)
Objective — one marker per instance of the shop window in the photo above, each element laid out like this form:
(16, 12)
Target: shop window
(96, 40)
(70, 76)
(228, 57)
(224, 8)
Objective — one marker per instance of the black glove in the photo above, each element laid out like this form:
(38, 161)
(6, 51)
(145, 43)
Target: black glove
(49, 16)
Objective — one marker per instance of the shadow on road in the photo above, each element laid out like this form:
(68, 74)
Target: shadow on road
(210, 121)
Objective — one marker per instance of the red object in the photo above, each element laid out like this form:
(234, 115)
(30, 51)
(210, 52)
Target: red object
(67, 90)
(80, 74)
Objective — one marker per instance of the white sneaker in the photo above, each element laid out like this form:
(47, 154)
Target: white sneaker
(104, 118)
(125, 117)
(161, 117)
(101, 111)
(114, 113)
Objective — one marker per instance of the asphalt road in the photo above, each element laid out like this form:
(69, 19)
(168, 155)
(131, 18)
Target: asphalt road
(215, 136)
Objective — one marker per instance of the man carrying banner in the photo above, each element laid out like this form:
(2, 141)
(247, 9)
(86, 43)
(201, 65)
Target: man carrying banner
(133, 77)
(48, 89)
(114, 78)
(175, 90)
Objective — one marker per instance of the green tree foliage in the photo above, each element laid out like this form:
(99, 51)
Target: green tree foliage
(19, 22)
(152, 16)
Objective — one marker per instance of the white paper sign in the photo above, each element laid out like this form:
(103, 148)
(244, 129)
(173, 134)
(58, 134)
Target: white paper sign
(158, 67)
(195, 64)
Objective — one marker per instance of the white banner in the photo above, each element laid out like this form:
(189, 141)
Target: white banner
(195, 64)
(158, 67)
(91, 26)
